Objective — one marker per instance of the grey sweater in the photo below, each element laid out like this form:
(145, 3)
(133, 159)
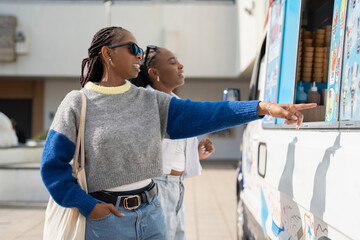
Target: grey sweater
(121, 147)
(123, 132)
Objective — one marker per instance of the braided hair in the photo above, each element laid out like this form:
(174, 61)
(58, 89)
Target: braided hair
(149, 61)
(95, 69)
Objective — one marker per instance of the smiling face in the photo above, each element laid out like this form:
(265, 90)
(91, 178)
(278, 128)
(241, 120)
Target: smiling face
(169, 70)
(123, 64)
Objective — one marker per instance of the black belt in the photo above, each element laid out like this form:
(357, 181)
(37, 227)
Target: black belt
(126, 201)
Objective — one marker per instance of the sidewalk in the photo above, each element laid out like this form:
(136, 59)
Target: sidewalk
(210, 205)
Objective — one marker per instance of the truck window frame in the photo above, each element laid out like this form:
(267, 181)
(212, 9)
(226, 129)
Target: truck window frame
(254, 93)
(321, 125)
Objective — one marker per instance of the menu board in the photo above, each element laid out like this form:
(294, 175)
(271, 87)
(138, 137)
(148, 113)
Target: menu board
(274, 46)
(350, 89)
(335, 64)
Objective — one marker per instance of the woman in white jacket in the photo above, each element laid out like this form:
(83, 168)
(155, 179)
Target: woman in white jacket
(162, 71)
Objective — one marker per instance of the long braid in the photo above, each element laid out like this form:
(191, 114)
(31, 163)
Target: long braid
(83, 64)
(95, 69)
(143, 78)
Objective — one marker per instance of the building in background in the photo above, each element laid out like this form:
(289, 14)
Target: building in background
(42, 44)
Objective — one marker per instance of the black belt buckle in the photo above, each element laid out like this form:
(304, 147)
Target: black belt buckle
(132, 202)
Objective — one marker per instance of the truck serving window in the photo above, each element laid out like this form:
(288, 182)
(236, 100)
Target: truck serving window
(317, 61)
(312, 72)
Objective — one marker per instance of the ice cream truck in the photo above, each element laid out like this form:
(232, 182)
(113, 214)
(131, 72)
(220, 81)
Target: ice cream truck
(305, 184)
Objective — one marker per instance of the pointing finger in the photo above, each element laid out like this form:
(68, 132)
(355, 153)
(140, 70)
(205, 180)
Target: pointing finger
(305, 106)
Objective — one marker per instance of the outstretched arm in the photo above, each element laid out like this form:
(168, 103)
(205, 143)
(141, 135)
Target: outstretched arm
(188, 118)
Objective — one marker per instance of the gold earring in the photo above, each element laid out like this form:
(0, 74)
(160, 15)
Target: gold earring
(158, 79)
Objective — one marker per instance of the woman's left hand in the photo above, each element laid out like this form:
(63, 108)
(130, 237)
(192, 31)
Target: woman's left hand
(205, 148)
(288, 111)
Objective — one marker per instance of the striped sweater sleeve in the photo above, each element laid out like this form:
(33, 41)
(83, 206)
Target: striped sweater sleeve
(55, 168)
(188, 118)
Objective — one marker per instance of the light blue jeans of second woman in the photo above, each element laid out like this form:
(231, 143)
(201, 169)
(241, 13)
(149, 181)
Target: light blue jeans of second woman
(144, 223)
(171, 196)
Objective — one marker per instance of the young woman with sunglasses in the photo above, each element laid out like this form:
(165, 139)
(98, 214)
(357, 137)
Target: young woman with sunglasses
(123, 132)
(161, 70)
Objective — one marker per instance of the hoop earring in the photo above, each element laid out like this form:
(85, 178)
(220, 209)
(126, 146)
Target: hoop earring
(158, 79)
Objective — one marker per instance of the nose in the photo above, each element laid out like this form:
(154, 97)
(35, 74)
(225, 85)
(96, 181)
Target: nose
(139, 56)
(181, 66)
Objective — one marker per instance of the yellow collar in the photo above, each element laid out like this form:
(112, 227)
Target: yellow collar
(108, 90)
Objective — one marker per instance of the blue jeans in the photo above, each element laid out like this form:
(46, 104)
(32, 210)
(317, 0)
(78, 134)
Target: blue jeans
(145, 222)
(171, 196)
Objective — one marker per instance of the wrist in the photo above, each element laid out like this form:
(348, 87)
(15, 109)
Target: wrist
(262, 108)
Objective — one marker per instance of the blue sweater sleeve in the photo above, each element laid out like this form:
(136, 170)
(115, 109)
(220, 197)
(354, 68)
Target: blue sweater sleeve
(56, 173)
(188, 118)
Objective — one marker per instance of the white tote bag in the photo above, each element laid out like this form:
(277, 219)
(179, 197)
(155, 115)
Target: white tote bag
(67, 223)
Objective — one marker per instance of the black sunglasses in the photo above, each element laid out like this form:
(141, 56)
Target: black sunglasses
(134, 48)
(148, 49)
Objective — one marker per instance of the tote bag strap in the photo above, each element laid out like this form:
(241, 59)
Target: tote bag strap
(80, 138)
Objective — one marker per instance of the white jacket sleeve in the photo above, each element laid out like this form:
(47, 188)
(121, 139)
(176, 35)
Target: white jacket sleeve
(192, 163)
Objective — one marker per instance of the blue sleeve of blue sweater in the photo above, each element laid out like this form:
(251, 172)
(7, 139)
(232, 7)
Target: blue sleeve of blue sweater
(56, 173)
(188, 118)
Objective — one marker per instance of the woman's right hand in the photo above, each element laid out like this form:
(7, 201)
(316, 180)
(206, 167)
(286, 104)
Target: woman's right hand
(103, 209)
(288, 111)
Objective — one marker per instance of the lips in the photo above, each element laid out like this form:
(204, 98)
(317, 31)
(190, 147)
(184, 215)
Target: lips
(137, 66)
